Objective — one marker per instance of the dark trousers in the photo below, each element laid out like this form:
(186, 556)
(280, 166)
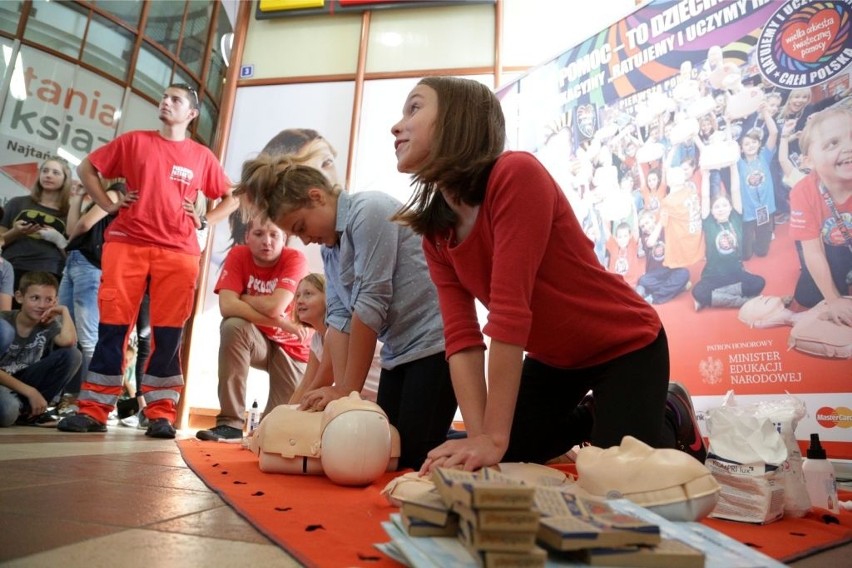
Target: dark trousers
(419, 400)
(143, 340)
(629, 397)
(756, 238)
(663, 284)
(752, 285)
(48, 376)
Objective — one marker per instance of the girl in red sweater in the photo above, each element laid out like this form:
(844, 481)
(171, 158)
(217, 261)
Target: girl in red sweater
(498, 229)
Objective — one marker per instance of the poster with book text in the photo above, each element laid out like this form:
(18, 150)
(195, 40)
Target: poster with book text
(679, 136)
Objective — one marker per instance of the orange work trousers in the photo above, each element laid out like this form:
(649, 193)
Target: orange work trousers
(170, 278)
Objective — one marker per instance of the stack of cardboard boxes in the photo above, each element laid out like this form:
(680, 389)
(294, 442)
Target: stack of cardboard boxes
(502, 522)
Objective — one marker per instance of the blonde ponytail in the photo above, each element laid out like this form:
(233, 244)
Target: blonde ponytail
(274, 186)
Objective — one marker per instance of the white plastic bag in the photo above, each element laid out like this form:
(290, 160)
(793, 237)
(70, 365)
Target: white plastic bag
(785, 414)
(746, 456)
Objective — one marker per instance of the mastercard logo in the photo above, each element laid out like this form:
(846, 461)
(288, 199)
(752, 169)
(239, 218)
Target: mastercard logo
(840, 417)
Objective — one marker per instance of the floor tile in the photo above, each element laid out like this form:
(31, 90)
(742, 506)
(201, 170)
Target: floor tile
(221, 522)
(147, 548)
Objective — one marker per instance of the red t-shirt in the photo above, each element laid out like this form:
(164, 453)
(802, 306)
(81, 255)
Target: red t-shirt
(530, 264)
(810, 217)
(240, 274)
(164, 173)
(625, 261)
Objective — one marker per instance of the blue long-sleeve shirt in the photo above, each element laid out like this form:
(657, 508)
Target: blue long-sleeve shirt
(377, 270)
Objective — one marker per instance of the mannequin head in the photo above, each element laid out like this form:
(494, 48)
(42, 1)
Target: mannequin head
(351, 441)
(356, 441)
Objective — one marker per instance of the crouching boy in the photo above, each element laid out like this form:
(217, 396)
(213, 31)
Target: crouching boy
(38, 353)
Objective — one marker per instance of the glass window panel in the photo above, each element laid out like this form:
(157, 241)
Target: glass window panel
(63, 109)
(108, 47)
(139, 114)
(262, 112)
(216, 76)
(431, 38)
(193, 48)
(164, 23)
(375, 161)
(10, 13)
(153, 72)
(57, 26)
(5, 57)
(127, 11)
(221, 54)
(206, 123)
(307, 45)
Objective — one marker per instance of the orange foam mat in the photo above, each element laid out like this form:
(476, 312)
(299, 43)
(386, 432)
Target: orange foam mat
(317, 522)
(792, 539)
(323, 524)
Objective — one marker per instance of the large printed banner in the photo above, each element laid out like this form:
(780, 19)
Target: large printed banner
(52, 108)
(675, 135)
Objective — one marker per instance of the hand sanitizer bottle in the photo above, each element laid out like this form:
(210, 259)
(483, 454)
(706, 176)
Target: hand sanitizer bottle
(820, 478)
(253, 417)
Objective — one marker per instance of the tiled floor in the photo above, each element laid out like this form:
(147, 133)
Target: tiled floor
(118, 499)
(126, 501)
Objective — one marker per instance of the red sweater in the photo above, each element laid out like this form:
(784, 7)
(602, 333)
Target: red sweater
(530, 264)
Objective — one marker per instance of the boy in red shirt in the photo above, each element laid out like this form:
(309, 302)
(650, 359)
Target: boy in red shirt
(256, 291)
(821, 214)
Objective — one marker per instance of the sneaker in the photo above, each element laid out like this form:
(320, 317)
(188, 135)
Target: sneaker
(143, 420)
(687, 434)
(131, 421)
(112, 419)
(160, 428)
(45, 420)
(80, 423)
(67, 405)
(221, 432)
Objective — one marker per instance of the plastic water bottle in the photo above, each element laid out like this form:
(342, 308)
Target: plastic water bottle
(253, 417)
(820, 478)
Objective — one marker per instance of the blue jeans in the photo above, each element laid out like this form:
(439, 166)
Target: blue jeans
(7, 335)
(79, 292)
(48, 376)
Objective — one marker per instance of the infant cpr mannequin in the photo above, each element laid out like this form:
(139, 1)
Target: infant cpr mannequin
(351, 441)
(669, 482)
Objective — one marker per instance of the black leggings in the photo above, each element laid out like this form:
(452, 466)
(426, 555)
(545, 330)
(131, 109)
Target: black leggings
(629, 397)
(419, 400)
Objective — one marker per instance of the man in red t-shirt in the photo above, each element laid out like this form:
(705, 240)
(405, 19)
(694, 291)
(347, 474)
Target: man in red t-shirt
(151, 244)
(256, 290)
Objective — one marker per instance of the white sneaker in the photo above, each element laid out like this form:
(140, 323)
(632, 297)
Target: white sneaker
(131, 421)
(142, 420)
(112, 419)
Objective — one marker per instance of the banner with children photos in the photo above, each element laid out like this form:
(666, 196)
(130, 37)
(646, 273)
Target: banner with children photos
(675, 135)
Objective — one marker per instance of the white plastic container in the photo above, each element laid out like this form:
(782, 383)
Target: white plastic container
(820, 479)
(253, 417)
